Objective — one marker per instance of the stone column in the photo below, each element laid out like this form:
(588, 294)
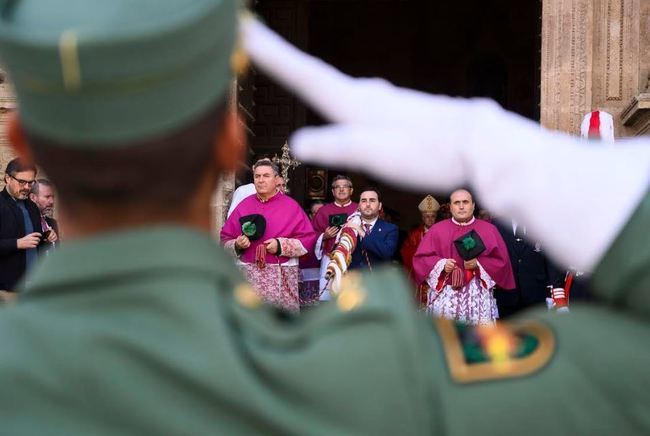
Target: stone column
(226, 186)
(617, 59)
(567, 63)
(7, 104)
(592, 58)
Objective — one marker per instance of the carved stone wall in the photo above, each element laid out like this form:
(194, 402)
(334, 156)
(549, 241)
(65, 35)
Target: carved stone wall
(567, 48)
(7, 103)
(594, 56)
(226, 186)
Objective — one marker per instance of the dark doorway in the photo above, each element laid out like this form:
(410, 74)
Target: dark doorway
(461, 48)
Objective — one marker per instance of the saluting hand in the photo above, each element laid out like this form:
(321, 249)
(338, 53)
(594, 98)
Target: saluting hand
(29, 241)
(242, 242)
(450, 264)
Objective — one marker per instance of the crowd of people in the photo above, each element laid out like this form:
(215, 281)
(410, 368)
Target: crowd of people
(28, 229)
(141, 324)
(285, 253)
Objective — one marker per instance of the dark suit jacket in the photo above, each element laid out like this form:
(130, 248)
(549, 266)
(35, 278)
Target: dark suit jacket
(380, 245)
(533, 272)
(12, 228)
(580, 289)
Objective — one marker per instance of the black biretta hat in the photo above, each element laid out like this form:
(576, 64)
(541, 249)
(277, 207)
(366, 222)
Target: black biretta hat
(337, 220)
(470, 245)
(253, 226)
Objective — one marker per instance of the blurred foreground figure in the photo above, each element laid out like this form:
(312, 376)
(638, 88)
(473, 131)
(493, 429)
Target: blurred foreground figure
(140, 324)
(518, 170)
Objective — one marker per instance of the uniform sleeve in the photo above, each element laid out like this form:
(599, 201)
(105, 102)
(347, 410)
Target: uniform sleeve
(623, 275)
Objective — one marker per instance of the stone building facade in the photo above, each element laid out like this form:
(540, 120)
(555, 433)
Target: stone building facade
(594, 55)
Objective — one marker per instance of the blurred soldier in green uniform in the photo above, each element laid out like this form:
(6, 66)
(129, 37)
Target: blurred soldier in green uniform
(140, 324)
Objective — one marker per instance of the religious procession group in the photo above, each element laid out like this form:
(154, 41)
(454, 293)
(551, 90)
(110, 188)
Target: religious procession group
(463, 265)
(455, 260)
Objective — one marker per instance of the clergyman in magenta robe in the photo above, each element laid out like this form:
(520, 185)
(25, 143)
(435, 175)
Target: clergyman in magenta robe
(471, 301)
(342, 190)
(277, 280)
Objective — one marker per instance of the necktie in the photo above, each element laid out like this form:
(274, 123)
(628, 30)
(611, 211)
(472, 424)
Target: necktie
(366, 226)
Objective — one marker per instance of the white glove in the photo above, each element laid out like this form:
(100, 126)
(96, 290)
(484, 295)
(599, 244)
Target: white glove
(572, 196)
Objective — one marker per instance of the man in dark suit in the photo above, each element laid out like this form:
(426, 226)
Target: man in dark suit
(20, 224)
(533, 271)
(380, 241)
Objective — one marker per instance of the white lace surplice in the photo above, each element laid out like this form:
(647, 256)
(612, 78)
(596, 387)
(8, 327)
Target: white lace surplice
(474, 303)
(277, 284)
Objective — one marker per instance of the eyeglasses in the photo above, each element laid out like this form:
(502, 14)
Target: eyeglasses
(23, 182)
(342, 187)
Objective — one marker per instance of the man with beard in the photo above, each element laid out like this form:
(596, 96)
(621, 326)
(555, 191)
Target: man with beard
(42, 195)
(20, 224)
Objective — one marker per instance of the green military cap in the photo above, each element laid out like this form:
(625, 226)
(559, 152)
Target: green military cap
(102, 73)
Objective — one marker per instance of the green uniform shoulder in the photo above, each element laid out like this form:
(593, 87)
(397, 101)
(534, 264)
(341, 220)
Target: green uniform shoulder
(623, 275)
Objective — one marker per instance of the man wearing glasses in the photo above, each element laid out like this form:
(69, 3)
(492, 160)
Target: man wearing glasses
(20, 224)
(328, 221)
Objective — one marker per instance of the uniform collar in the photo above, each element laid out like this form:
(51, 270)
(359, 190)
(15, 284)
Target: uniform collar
(129, 255)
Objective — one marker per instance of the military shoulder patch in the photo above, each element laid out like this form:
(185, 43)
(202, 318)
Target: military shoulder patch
(507, 350)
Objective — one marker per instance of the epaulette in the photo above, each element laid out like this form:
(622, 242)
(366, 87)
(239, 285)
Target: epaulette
(493, 352)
